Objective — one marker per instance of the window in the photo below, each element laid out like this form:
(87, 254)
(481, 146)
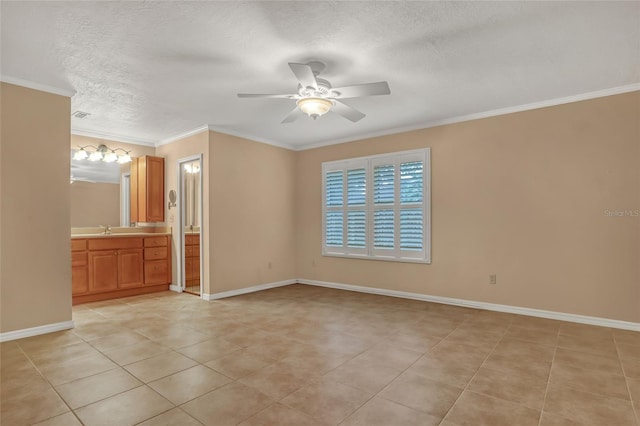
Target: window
(378, 207)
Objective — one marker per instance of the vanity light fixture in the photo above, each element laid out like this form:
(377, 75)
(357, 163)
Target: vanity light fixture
(102, 152)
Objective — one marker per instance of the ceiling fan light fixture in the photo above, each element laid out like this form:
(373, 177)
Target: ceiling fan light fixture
(314, 107)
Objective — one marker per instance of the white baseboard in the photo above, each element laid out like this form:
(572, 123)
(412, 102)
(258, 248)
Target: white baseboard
(561, 316)
(224, 294)
(175, 288)
(35, 331)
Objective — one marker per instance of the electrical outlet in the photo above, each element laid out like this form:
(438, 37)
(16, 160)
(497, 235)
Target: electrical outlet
(270, 265)
(493, 278)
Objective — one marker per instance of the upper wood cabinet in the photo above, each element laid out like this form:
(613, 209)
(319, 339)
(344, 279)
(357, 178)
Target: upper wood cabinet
(147, 189)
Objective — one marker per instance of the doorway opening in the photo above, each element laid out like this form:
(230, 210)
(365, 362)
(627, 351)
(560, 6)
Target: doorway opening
(190, 212)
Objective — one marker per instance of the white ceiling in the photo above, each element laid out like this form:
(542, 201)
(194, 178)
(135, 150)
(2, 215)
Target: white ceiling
(148, 71)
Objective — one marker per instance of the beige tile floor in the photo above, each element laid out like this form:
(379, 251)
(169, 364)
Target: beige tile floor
(301, 355)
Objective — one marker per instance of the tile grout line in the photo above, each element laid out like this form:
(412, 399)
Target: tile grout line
(626, 382)
(476, 373)
(546, 391)
(51, 386)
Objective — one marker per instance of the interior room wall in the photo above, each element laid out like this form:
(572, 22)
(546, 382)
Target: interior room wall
(252, 212)
(94, 204)
(527, 196)
(35, 279)
(172, 152)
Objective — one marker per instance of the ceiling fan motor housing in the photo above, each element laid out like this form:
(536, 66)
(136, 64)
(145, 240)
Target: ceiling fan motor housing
(323, 90)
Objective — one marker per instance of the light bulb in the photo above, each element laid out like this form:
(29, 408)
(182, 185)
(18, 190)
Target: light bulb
(110, 157)
(95, 156)
(81, 154)
(123, 159)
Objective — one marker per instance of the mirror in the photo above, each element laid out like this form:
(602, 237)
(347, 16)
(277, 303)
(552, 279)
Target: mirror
(95, 192)
(190, 212)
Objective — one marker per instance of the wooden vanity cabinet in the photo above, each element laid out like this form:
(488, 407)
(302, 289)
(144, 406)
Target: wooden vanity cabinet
(79, 267)
(111, 267)
(147, 189)
(157, 261)
(115, 263)
(192, 260)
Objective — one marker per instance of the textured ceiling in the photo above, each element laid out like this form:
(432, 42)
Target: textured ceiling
(147, 71)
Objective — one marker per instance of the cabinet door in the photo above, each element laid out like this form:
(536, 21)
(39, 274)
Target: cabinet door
(79, 279)
(156, 272)
(79, 272)
(103, 270)
(155, 189)
(129, 268)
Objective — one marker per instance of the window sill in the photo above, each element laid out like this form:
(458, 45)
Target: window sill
(385, 259)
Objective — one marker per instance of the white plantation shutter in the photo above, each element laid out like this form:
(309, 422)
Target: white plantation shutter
(411, 211)
(377, 207)
(334, 189)
(357, 229)
(356, 187)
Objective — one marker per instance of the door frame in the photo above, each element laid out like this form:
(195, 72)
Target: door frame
(181, 213)
(125, 199)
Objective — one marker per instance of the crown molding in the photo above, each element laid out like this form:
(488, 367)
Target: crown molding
(252, 138)
(486, 114)
(425, 125)
(224, 131)
(111, 137)
(37, 86)
(182, 135)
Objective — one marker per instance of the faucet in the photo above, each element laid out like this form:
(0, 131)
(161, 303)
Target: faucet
(107, 229)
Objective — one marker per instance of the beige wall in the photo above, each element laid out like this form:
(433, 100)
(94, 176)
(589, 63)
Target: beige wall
(35, 279)
(182, 148)
(94, 204)
(522, 196)
(248, 209)
(251, 213)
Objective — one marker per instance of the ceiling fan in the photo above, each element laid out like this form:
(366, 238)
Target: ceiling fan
(316, 97)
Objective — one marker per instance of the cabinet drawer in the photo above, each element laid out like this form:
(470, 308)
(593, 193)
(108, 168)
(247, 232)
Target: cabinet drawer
(192, 251)
(78, 245)
(156, 272)
(79, 259)
(192, 239)
(154, 253)
(115, 243)
(155, 241)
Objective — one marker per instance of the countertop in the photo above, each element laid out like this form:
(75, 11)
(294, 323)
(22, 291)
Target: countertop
(120, 235)
(120, 232)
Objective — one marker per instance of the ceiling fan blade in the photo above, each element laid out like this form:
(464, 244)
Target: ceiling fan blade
(259, 95)
(348, 112)
(358, 90)
(292, 116)
(304, 74)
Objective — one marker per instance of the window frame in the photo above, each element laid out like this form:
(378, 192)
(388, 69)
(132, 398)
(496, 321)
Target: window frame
(369, 251)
